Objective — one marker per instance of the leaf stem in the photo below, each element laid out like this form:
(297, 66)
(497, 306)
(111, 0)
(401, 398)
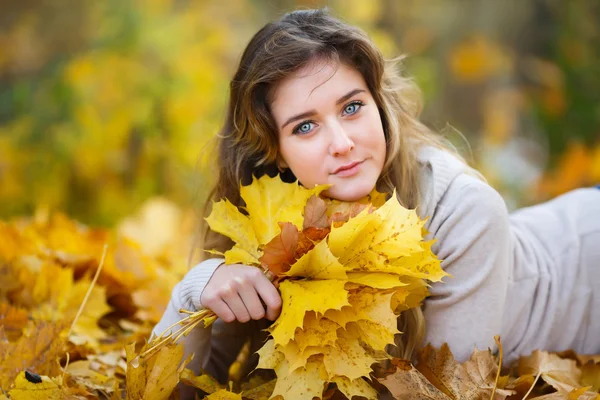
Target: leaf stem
(497, 339)
(187, 324)
(62, 378)
(87, 295)
(533, 385)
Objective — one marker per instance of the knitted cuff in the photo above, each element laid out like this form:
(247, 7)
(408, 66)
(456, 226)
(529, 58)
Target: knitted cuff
(194, 282)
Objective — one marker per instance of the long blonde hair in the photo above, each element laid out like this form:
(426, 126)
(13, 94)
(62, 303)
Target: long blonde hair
(248, 140)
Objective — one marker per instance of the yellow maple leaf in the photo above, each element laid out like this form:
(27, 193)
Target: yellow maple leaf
(352, 239)
(311, 293)
(367, 241)
(422, 264)
(316, 332)
(375, 307)
(157, 376)
(227, 220)
(269, 358)
(347, 358)
(297, 358)
(410, 296)
(400, 232)
(372, 334)
(302, 383)
(356, 387)
(378, 280)
(342, 317)
(45, 389)
(269, 202)
(318, 263)
(203, 381)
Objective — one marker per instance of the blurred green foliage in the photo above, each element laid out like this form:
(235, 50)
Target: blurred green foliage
(105, 104)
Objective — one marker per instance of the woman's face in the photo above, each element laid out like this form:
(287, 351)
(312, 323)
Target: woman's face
(330, 130)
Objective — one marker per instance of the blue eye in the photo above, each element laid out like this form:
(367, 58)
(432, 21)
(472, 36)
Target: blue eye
(304, 127)
(353, 107)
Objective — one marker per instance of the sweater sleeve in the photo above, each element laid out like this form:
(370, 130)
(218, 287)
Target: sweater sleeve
(216, 347)
(186, 295)
(470, 225)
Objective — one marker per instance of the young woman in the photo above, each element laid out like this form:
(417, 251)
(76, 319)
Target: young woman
(312, 97)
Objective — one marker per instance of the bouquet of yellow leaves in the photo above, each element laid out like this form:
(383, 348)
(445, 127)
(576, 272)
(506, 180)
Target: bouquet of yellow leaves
(345, 271)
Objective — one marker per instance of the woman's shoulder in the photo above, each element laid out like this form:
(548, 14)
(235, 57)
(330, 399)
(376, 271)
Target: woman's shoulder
(450, 186)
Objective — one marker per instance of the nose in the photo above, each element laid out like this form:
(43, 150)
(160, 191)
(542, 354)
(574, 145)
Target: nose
(341, 142)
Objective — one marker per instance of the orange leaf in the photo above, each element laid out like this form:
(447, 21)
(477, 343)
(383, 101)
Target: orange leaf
(279, 253)
(13, 320)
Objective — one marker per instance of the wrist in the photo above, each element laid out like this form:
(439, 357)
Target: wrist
(195, 281)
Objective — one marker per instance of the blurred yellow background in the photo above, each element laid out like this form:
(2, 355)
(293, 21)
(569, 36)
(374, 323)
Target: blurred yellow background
(104, 105)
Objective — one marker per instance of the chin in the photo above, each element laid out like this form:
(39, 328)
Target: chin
(351, 193)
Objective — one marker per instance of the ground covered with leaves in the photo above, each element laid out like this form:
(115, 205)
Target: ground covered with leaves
(77, 306)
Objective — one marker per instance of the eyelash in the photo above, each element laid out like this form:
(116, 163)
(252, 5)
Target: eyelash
(359, 103)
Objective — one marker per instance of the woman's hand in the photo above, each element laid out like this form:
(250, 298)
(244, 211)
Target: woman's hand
(235, 292)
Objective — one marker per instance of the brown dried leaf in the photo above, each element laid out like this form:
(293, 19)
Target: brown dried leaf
(314, 235)
(439, 367)
(279, 253)
(343, 211)
(575, 394)
(562, 374)
(315, 213)
(475, 379)
(406, 382)
(482, 368)
(580, 358)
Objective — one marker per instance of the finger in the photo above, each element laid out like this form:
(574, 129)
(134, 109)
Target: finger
(222, 310)
(252, 302)
(235, 303)
(269, 294)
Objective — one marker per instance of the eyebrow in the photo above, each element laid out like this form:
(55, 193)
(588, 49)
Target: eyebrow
(312, 112)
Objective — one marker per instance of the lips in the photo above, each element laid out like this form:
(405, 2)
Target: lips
(347, 166)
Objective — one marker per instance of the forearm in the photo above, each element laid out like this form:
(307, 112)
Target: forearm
(186, 295)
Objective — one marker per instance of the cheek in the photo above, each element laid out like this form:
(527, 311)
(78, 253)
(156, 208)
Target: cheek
(308, 168)
(376, 138)
(305, 162)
